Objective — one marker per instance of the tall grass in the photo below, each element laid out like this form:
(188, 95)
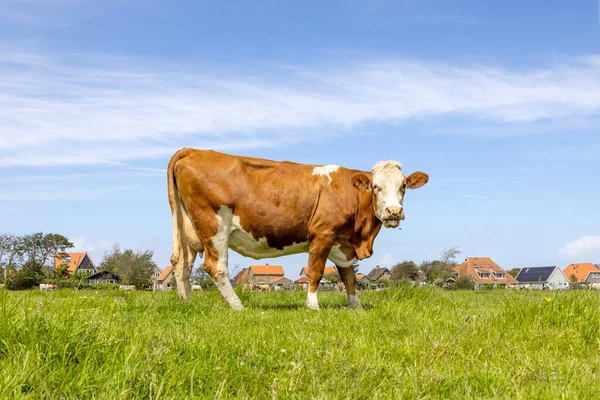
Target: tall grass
(407, 343)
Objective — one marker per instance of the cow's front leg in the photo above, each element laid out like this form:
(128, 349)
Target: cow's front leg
(319, 250)
(348, 278)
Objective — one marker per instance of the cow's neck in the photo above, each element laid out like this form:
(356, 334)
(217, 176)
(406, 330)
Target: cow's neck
(366, 226)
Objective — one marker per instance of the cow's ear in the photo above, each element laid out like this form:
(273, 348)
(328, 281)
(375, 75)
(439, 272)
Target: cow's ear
(416, 180)
(361, 182)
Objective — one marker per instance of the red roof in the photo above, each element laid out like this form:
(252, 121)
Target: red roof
(304, 279)
(165, 274)
(476, 268)
(266, 270)
(580, 271)
(71, 259)
(328, 270)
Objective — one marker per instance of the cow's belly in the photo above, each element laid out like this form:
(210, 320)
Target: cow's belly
(243, 243)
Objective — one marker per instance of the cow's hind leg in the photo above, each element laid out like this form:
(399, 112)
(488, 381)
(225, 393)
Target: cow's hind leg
(348, 277)
(216, 263)
(183, 270)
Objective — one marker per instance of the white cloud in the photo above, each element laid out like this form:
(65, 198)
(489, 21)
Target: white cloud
(387, 260)
(585, 246)
(113, 109)
(95, 250)
(45, 194)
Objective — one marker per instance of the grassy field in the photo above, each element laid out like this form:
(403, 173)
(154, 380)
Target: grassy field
(407, 343)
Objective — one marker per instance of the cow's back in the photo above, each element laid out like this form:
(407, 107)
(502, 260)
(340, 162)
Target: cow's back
(273, 200)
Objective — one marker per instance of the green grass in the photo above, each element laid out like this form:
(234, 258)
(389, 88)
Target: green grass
(407, 343)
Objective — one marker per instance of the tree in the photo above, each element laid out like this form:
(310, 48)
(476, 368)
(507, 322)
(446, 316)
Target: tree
(405, 270)
(434, 269)
(30, 275)
(356, 265)
(38, 247)
(133, 268)
(442, 268)
(514, 272)
(449, 255)
(332, 277)
(11, 253)
(201, 277)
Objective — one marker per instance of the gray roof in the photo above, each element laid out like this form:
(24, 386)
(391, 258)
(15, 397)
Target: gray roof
(535, 274)
(376, 273)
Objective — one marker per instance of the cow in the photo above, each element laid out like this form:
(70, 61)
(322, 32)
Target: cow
(594, 286)
(526, 287)
(127, 288)
(197, 288)
(47, 287)
(263, 209)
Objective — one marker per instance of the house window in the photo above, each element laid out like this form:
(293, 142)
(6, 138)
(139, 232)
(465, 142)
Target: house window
(66, 259)
(157, 274)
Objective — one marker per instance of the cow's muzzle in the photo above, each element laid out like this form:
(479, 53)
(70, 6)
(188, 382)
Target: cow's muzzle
(393, 216)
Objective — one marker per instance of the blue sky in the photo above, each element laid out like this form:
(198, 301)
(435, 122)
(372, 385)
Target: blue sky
(498, 101)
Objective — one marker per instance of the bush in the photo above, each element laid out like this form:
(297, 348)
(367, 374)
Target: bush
(464, 283)
(32, 274)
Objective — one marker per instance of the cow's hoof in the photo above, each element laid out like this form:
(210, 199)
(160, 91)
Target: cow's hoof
(237, 306)
(312, 302)
(353, 302)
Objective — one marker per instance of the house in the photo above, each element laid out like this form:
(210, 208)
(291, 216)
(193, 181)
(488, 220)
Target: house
(282, 283)
(264, 274)
(302, 283)
(163, 282)
(378, 273)
(362, 277)
(551, 278)
(445, 282)
(593, 277)
(484, 271)
(241, 278)
(579, 272)
(76, 262)
(328, 270)
(102, 278)
(156, 271)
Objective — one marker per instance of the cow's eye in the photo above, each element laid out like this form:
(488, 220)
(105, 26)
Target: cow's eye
(376, 188)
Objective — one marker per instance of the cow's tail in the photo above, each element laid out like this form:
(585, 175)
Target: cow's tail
(176, 205)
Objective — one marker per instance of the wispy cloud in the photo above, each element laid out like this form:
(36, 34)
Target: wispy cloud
(37, 13)
(45, 194)
(114, 110)
(585, 246)
(96, 250)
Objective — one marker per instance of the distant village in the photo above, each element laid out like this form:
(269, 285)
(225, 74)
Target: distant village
(475, 273)
(42, 260)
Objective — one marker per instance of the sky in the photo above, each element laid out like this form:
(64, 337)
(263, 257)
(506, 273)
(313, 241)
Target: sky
(498, 101)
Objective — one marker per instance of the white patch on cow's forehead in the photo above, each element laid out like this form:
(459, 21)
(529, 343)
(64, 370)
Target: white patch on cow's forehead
(387, 171)
(325, 170)
(386, 165)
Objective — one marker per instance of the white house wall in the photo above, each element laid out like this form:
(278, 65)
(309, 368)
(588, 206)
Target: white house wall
(558, 280)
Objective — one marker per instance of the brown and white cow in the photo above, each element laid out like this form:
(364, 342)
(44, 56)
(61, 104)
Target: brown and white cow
(263, 209)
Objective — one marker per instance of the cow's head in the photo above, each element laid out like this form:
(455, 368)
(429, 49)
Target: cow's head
(388, 185)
